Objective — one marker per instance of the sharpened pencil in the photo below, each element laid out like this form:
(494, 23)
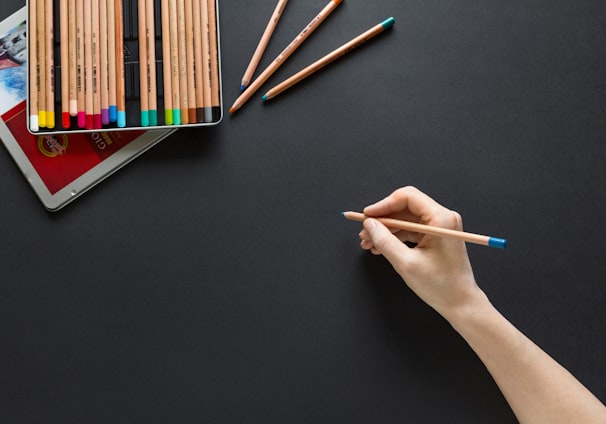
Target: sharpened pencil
(289, 50)
(34, 68)
(50, 65)
(64, 53)
(166, 65)
(120, 89)
(143, 62)
(431, 230)
(73, 76)
(263, 42)
(215, 84)
(319, 64)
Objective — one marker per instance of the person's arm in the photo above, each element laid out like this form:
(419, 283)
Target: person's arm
(538, 389)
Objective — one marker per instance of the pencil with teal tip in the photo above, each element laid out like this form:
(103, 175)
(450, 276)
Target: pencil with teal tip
(431, 230)
(285, 54)
(331, 57)
(263, 42)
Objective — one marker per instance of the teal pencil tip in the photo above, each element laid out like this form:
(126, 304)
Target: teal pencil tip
(264, 97)
(388, 23)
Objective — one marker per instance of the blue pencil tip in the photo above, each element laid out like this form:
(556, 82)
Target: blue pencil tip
(242, 87)
(497, 242)
(264, 97)
(388, 23)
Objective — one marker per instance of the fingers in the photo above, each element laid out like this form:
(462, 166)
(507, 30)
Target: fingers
(406, 203)
(380, 241)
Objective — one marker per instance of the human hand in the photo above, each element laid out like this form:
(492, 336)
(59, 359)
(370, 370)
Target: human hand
(437, 269)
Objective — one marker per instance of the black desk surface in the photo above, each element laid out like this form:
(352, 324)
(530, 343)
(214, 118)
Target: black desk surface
(214, 279)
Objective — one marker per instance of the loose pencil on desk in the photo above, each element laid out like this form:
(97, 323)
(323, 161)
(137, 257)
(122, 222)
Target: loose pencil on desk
(299, 39)
(431, 230)
(269, 30)
(319, 64)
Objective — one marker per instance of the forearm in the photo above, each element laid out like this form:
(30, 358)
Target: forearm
(537, 388)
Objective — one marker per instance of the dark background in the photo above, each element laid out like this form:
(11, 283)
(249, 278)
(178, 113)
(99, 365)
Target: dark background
(214, 279)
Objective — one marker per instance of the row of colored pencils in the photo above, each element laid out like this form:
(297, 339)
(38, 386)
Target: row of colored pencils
(91, 71)
(92, 64)
(190, 59)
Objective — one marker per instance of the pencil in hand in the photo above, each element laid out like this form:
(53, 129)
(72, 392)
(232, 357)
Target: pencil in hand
(431, 230)
(319, 64)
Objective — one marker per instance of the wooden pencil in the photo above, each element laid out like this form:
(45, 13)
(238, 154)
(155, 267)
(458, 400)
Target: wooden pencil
(182, 62)
(96, 65)
(111, 60)
(189, 47)
(198, 59)
(285, 54)
(206, 61)
(150, 35)
(32, 63)
(263, 42)
(41, 28)
(166, 64)
(319, 64)
(104, 62)
(120, 89)
(143, 64)
(80, 65)
(50, 65)
(64, 54)
(215, 85)
(73, 76)
(88, 64)
(174, 62)
(431, 230)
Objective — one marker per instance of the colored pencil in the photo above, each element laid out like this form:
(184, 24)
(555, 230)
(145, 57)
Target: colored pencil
(104, 61)
(174, 62)
(166, 64)
(64, 54)
(215, 94)
(198, 77)
(299, 39)
(73, 76)
(182, 62)
(143, 63)
(88, 64)
(50, 65)
(40, 26)
(189, 60)
(151, 62)
(34, 69)
(80, 65)
(111, 60)
(269, 30)
(120, 89)
(206, 61)
(431, 230)
(96, 65)
(319, 64)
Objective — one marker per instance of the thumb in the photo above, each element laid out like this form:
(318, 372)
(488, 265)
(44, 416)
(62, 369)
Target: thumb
(385, 243)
